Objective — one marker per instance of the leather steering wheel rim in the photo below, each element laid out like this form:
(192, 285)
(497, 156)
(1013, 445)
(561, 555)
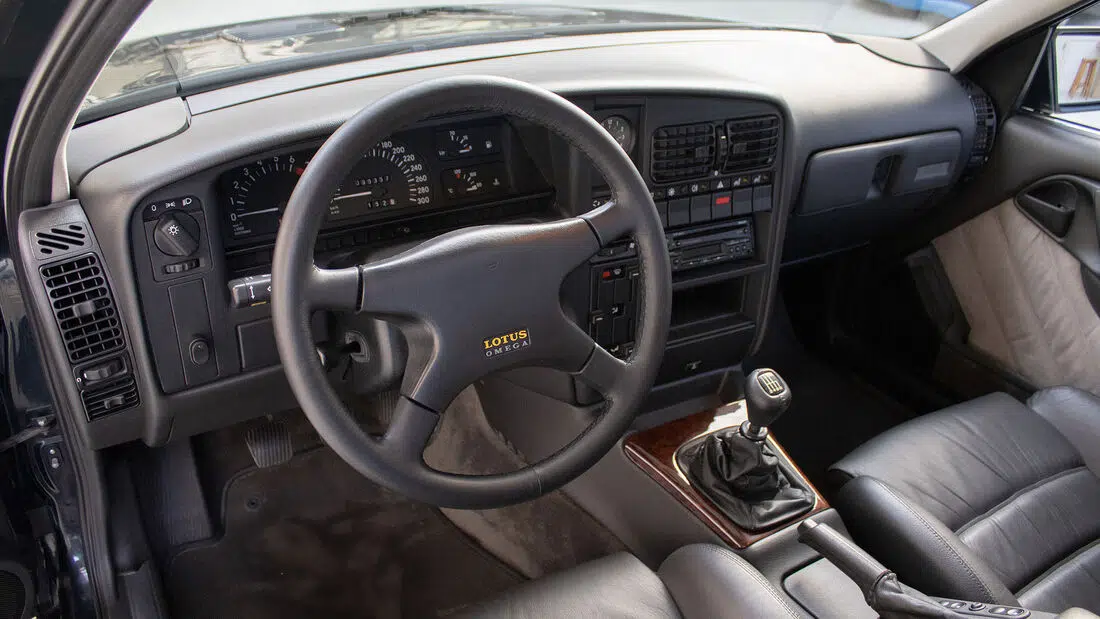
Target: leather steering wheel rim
(441, 295)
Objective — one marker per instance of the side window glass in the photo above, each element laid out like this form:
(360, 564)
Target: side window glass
(1067, 84)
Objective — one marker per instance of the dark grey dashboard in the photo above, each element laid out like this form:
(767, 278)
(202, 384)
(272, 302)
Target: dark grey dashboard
(808, 92)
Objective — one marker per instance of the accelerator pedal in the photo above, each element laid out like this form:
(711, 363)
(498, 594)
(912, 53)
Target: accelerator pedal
(269, 443)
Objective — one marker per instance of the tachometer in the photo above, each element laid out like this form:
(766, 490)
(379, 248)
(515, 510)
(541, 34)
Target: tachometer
(389, 176)
(258, 194)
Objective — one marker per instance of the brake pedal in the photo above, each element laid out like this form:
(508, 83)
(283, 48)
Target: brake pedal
(269, 443)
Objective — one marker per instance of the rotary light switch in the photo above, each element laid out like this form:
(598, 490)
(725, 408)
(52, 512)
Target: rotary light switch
(177, 234)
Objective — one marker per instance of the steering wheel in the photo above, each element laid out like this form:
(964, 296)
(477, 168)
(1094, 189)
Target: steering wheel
(471, 302)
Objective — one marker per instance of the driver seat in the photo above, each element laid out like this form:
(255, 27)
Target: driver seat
(701, 580)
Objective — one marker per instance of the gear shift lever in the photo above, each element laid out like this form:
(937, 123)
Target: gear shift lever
(767, 396)
(737, 470)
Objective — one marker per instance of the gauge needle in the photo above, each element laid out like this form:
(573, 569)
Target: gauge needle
(266, 210)
(353, 195)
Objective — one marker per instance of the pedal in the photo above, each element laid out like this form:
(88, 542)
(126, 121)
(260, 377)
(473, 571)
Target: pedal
(269, 443)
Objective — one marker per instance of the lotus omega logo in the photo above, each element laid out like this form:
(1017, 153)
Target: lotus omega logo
(506, 342)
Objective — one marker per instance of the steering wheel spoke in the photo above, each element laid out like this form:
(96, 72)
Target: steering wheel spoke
(602, 371)
(334, 289)
(611, 221)
(410, 430)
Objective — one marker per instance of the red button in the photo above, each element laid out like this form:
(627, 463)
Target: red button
(722, 200)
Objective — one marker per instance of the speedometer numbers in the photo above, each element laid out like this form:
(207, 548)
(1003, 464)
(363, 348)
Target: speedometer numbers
(388, 176)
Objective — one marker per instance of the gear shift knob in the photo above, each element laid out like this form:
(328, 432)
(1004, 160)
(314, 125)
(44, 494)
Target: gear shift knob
(767, 396)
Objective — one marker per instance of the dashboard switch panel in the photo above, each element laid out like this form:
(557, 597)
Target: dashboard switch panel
(191, 315)
(175, 229)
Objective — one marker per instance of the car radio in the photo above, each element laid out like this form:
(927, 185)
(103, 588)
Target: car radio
(688, 249)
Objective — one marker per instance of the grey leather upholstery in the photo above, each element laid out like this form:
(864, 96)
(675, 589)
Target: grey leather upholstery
(991, 500)
(700, 580)
(711, 581)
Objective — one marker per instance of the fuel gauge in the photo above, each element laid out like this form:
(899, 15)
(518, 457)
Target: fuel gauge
(467, 142)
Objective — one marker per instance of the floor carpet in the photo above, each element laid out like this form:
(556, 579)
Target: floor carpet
(313, 538)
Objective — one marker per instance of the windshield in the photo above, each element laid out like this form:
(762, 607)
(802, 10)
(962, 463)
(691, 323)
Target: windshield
(179, 47)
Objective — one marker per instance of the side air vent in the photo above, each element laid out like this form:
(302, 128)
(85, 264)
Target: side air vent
(751, 143)
(682, 152)
(985, 124)
(59, 240)
(111, 397)
(83, 307)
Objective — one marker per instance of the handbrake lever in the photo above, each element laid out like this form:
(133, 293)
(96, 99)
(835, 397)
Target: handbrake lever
(880, 587)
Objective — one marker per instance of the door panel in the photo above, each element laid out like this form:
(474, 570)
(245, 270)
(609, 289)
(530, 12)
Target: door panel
(1021, 284)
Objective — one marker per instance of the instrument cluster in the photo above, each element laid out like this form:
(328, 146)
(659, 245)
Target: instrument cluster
(411, 172)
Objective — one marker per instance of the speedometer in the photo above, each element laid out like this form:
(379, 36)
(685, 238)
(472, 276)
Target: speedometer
(389, 176)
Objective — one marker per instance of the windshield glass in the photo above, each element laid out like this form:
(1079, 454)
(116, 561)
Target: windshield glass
(186, 46)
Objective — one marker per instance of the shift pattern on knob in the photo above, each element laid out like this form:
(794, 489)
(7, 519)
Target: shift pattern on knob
(767, 396)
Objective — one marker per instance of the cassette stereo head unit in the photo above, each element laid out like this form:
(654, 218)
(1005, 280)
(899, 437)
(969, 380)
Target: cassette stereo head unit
(689, 249)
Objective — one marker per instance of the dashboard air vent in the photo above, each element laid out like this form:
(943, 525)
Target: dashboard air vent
(683, 152)
(985, 124)
(115, 396)
(59, 240)
(83, 307)
(751, 143)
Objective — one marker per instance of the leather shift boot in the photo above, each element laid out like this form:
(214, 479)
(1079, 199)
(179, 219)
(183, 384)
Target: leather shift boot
(744, 479)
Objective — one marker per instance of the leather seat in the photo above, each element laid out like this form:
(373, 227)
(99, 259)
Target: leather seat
(700, 580)
(991, 500)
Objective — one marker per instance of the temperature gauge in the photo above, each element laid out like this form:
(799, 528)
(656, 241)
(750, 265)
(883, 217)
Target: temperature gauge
(475, 180)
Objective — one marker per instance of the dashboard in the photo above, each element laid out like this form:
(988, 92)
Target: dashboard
(748, 166)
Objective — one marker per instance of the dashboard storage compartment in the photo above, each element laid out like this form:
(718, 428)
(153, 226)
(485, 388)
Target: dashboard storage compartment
(864, 173)
(708, 331)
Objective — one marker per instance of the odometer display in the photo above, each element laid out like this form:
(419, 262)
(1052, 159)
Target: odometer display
(389, 176)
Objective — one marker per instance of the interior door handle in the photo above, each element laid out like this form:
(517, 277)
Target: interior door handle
(1052, 205)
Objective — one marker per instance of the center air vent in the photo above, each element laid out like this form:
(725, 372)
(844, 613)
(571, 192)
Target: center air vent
(682, 152)
(57, 241)
(83, 307)
(111, 397)
(751, 143)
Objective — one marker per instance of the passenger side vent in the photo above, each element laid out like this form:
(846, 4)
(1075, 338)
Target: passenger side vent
(985, 124)
(115, 396)
(83, 307)
(56, 241)
(682, 152)
(751, 143)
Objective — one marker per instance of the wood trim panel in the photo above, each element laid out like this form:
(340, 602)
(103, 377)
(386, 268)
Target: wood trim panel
(654, 451)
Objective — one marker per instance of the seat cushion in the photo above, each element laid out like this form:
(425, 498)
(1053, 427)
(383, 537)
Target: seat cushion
(990, 494)
(695, 582)
(618, 586)
(712, 581)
